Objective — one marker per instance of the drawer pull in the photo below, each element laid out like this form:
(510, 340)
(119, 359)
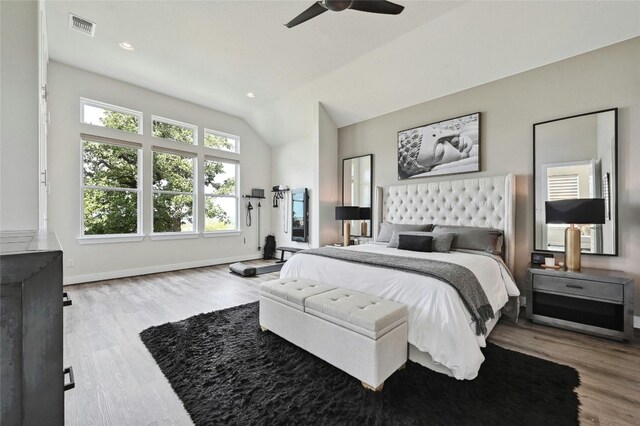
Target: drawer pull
(66, 300)
(72, 381)
(575, 286)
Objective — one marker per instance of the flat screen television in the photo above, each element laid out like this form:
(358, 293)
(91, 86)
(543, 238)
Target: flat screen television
(299, 215)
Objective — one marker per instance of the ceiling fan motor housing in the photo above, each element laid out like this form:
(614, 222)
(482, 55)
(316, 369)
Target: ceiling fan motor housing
(337, 5)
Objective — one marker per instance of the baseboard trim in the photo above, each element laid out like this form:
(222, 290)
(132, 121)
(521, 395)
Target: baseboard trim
(101, 276)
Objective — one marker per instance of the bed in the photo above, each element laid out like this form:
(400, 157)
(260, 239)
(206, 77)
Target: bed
(442, 333)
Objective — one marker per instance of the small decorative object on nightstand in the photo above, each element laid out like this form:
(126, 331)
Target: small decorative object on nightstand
(592, 301)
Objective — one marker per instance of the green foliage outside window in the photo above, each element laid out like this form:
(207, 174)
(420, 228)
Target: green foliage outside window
(219, 179)
(173, 132)
(110, 211)
(218, 142)
(120, 121)
(116, 212)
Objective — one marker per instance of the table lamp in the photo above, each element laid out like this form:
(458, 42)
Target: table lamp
(365, 215)
(572, 212)
(347, 214)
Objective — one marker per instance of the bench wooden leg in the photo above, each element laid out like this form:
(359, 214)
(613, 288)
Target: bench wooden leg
(371, 388)
(263, 328)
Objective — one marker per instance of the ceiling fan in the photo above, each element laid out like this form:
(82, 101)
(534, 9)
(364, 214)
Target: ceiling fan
(373, 6)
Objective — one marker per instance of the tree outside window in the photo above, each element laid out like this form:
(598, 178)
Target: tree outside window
(221, 197)
(112, 182)
(110, 189)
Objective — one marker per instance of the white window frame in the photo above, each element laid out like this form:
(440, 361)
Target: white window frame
(90, 102)
(238, 229)
(236, 138)
(176, 235)
(192, 127)
(107, 238)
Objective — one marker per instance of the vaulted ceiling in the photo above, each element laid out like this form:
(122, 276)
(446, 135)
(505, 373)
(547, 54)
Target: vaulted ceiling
(359, 65)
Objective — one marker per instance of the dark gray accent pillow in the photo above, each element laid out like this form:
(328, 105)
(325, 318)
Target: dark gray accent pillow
(441, 242)
(415, 242)
(387, 229)
(474, 238)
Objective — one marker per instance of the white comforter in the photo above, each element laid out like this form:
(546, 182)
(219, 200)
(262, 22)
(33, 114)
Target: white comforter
(439, 324)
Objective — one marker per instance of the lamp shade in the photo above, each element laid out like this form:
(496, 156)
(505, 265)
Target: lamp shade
(347, 213)
(579, 211)
(365, 213)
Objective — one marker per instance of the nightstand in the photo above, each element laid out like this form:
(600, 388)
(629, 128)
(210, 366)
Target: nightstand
(592, 301)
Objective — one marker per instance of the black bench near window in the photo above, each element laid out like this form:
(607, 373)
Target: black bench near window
(283, 250)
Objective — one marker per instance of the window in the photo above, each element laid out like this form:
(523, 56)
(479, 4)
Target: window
(110, 187)
(111, 116)
(221, 141)
(173, 192)
(563, 187)
(220, 195)
(174, 130)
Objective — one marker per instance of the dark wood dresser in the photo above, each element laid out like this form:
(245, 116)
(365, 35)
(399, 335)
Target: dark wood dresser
(32, 381)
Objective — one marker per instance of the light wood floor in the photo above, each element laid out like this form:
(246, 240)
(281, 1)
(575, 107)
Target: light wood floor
(119, 383)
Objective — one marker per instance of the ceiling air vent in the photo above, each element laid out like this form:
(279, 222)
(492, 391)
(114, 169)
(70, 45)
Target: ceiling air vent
(82, 25)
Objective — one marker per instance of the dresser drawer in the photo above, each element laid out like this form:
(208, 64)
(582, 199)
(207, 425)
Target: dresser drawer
(591, 289)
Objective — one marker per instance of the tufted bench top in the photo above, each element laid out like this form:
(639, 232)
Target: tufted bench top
(293, 291)
(365, 314)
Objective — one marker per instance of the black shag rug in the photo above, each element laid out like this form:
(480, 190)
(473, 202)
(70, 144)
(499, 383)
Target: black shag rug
(227, 371)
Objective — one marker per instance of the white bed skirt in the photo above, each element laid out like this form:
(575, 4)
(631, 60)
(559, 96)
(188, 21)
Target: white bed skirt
(424, 359)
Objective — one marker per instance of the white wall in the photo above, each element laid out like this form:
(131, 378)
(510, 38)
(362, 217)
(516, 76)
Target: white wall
(605, 78)
(100, 261)
(293, 165)
(19, 115)
(310, 162)
(328, 181)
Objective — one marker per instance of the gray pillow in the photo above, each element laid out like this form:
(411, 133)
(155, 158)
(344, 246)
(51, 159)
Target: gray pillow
(441, 242)
(474, 238)
(387, 229)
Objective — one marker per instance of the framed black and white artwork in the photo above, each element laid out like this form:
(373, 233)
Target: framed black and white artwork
(447, 147)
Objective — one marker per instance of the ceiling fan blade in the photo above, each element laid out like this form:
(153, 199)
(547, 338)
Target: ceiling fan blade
(315, 10)
(377, 6)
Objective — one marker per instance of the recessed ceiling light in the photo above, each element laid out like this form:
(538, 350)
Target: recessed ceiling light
(126, 46)
(251, 95)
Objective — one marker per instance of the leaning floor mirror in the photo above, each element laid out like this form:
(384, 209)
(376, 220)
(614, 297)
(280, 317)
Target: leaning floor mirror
(357, 191)
(576, 158)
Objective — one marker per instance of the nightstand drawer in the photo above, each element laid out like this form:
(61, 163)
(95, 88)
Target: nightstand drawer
(590, 289)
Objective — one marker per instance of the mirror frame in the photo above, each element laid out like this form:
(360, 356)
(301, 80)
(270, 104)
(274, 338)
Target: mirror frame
(613, 183)
(369, 230)
(305, 219)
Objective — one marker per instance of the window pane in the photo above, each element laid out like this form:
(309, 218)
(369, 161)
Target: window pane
(172, 172)
(225, 143)
(103, 117)
(110, 212)
(173, 132)
(220, 214)
(110, 165)
(219, 178)
(172, 213)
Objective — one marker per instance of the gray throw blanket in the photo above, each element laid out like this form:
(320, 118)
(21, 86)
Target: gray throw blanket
(460, 278)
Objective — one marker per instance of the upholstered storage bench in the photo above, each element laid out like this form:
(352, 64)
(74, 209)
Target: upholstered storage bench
(363, 335)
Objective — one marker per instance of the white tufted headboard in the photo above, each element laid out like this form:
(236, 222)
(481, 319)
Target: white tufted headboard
(486, 202)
